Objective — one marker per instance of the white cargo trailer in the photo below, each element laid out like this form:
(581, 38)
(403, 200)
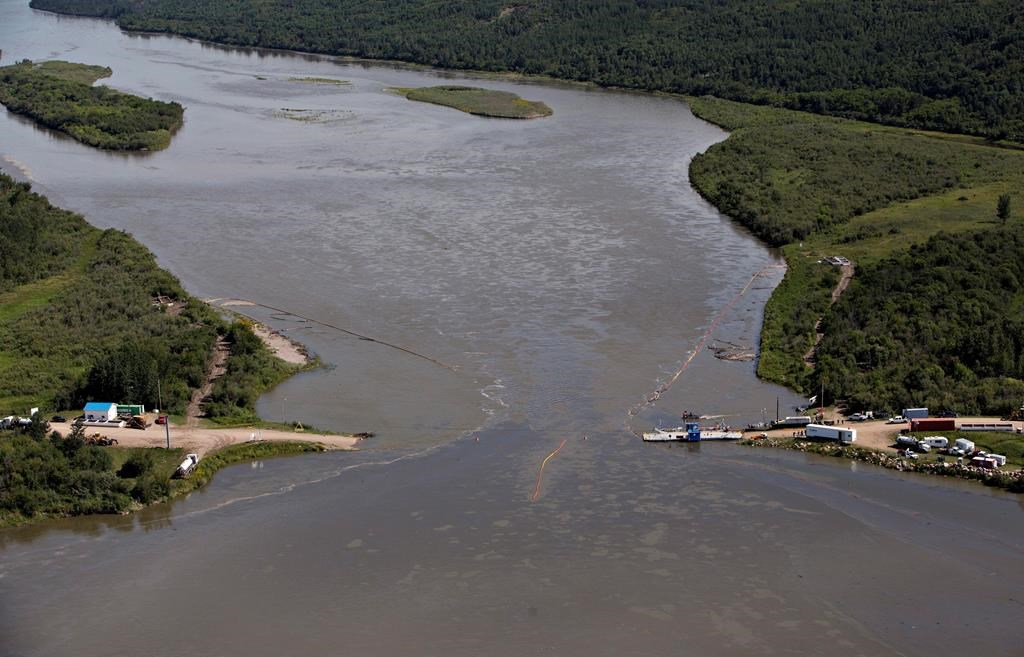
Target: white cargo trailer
(966, 445)
(940, 442)
(824, 432)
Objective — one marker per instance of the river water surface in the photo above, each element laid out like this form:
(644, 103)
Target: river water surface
(548, 276)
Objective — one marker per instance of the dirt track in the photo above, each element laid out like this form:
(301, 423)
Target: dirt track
(203, 440)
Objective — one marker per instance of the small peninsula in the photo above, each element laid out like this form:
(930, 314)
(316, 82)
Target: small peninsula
(481, 102)
(60, 95)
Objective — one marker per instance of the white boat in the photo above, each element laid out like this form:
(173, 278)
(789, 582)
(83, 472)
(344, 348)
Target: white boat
(692, 432)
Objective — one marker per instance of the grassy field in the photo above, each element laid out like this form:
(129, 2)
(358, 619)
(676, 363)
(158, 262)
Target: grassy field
(820, 186)
(82, 73)
(481, 102)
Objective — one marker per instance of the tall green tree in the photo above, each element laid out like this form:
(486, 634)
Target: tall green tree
(1003, 208)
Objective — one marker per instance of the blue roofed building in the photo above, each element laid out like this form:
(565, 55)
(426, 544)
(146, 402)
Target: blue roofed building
(100, 411)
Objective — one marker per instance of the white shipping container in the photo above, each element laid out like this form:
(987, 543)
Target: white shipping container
(824, 432)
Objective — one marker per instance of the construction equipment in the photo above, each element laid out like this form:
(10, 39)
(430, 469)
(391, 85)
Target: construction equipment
(100, 440)
(136, 422)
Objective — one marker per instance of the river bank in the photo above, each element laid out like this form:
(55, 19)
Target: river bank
(1010, 480)
(876, 444)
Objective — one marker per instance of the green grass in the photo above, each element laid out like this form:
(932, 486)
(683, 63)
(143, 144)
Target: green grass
(480, 102)
(211, 463)
(83, 73)
(316, 80)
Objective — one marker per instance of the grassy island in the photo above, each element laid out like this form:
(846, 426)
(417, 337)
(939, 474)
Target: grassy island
(481, 102)
(60, 95)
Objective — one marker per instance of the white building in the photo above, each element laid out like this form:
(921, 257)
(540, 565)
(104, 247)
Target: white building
(100, 412)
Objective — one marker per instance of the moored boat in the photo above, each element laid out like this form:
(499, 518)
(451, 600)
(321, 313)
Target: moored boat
(692, 432)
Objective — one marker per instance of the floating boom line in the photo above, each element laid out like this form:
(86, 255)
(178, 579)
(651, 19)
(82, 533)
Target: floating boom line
(664, 387)
(228, 302)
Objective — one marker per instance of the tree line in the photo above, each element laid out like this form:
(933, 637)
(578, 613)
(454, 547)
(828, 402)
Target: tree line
(946, 65)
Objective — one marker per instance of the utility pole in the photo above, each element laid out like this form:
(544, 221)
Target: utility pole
(167, 424)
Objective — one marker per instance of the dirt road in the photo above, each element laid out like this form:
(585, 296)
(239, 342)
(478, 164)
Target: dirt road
(203, 440)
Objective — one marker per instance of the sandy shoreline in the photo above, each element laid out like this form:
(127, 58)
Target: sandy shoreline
(202, 440)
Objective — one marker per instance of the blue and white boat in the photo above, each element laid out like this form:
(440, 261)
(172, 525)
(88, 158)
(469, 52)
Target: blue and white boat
(692, 433)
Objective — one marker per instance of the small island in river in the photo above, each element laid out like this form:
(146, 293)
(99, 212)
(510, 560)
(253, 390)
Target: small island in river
(61, 95)
(481, 102)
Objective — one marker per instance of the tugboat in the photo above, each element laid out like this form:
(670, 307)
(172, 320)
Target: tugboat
(692, 432)
(687, 415)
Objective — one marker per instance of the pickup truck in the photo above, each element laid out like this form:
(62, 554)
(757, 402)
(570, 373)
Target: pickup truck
(899, 419)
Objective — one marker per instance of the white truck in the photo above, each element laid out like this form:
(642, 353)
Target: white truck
(824, 432)
(187, 466)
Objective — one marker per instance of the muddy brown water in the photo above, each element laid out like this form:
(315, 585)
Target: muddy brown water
(564, 269)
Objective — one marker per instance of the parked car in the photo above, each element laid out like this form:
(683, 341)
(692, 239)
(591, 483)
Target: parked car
(58, 418)
(858, 417)
(948, 414)
(899, 419)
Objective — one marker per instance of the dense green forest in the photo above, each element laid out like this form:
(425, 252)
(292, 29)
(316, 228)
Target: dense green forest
(945, 65)
(60, 95)
(79, 320)
(938, 325)
(933, 315)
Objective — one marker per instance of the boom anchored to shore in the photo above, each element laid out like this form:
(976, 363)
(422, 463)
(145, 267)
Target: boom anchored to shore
(664, 387)
(229, 302)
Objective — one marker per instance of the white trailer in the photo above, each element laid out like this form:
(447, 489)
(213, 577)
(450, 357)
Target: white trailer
(824, 432)
(940, 442)
(963, 444)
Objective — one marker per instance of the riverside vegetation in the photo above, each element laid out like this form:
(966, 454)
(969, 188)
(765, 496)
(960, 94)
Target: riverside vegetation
(481, 102)
(49, 476)
(943, 65)
(80, 319)
(84, 314)
(61, 96)
(935, 313)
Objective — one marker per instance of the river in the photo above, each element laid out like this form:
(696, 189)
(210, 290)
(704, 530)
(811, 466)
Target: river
(548, 277)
